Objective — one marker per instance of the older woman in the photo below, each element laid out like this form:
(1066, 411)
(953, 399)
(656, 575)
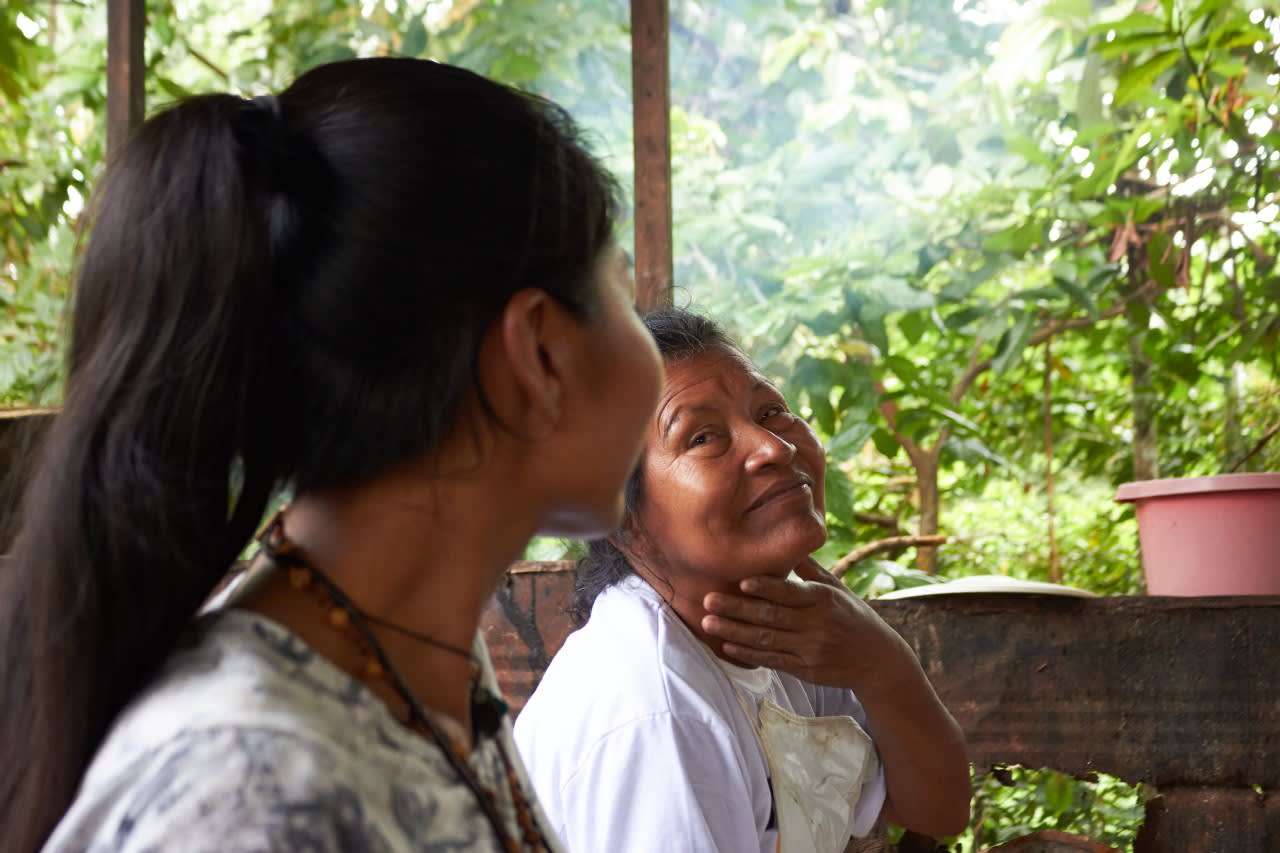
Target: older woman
(712, 702)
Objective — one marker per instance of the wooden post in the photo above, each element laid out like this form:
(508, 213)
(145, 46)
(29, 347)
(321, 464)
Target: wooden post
(651, 110)
(126, 68)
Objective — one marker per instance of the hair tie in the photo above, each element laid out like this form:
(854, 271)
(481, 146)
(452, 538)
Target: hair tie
(269, 104)
(261, 131)
(259, 126)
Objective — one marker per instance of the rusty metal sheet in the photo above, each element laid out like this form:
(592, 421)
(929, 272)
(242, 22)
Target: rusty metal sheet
(1207, 820)
(1169, 691)
(525, 624)
(1052, 841)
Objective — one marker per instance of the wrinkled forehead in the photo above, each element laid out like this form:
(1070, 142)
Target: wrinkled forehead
(727, 359)
(718, 370)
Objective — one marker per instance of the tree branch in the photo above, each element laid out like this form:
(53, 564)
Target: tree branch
(857, 555)
(977, 368)
(1262, 442)
(195, 54)
(888, 522)
(205, 61)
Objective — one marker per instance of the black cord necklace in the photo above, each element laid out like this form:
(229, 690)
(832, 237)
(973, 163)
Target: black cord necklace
(413, 635)
(487, 709)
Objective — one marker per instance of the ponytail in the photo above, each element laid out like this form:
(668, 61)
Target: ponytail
(289, 290)
(162, 459)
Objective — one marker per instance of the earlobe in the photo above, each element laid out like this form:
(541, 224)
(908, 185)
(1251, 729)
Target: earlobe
(628, 543)
(533, 338)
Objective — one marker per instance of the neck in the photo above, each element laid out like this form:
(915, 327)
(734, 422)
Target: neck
(684, 591)
(425, 557)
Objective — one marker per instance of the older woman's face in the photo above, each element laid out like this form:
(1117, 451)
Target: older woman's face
(732, 479)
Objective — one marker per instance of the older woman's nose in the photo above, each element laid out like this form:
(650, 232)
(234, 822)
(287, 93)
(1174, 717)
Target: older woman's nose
(768, 448)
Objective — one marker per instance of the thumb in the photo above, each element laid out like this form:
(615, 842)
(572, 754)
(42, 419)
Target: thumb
(810, 570)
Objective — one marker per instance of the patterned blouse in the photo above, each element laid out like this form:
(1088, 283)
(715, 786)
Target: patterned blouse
(251, 741)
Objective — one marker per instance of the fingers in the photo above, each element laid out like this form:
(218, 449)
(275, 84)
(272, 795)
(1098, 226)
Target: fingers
(778, 660)
(745, 634)
(757, 611)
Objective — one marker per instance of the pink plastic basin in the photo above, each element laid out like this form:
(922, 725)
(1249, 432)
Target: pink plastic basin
(1209, 535)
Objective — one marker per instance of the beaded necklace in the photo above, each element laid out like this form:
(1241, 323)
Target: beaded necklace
(487, 710)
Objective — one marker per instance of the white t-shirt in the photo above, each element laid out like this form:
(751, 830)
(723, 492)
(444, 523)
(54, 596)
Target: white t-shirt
(249, 740)
(636, 741)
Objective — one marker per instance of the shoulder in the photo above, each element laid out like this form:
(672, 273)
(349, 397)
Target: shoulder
(230, 788)
(631, 696)
(239, 671)
(249, 741)
(633, 660)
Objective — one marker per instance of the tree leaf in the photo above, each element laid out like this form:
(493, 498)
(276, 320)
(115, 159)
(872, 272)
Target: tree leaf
(886, 442)
(871, 321)
(903, 369)
(171, 88)
(851, 439)
(839, 492)
(913, 326)
(1029, 150)
(1012, 343)
(1139, 79)
(1162, 259)
(1245, 348)
(1078, 294)
(972, 448)
(896, 294)
(1133, 22)
(1089, 106)
(414, 41)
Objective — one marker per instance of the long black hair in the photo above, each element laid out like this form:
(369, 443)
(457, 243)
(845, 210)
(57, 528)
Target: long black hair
(679, 334)
(289, 290)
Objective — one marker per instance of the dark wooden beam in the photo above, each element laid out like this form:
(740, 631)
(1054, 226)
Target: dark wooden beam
(651, 110)
(1168, 691)
(126, 69)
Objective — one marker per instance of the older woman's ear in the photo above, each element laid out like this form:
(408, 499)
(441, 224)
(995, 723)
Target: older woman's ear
(626, 538)
(644, 555)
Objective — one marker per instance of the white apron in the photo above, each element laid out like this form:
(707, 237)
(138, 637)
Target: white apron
(819, 767)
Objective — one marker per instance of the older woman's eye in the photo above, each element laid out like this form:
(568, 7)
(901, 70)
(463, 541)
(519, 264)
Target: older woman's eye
(699, 439)
(773, 411)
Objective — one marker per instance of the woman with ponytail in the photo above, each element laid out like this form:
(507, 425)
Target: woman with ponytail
(391, 290)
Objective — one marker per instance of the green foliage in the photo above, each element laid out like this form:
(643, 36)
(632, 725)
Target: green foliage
(42, 186)
(1014, 801)
(896, 206)
(1097, 541)
(550, 548)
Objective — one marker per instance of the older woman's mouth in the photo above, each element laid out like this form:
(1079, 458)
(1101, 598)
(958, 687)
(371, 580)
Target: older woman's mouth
(790, 488)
